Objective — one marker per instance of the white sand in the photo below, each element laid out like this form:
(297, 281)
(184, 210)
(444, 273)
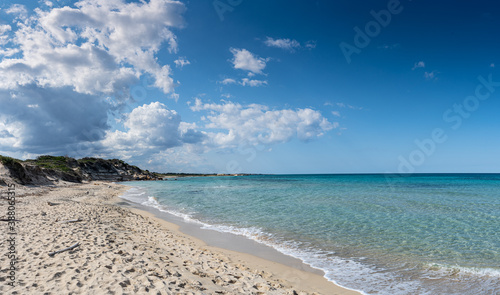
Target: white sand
(128, 251)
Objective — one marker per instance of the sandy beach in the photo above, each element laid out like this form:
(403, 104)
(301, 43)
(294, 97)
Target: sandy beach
(126, 251)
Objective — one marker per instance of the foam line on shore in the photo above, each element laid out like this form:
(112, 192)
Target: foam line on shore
(288, 252)
(125, 250)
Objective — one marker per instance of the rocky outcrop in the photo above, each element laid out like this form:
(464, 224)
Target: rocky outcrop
(49, 170)
(113, 170)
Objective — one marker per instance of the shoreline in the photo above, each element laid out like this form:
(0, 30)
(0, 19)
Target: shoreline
(125, 251)
(224, 240)
(243, 248)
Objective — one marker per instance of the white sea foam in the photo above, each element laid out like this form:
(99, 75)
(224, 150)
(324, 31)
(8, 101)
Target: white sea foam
(153, 202)
(335, 268)
(447, 270)
(355, 272)
(135, 194)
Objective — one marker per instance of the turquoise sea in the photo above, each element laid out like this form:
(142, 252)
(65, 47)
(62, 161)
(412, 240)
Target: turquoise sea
(381, 234)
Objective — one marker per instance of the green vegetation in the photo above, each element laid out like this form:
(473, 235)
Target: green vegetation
(65, 164)
(54, 163)
(72, 170)
(8, 160)
(49, 162)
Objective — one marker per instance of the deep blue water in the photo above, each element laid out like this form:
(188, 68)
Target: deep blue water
(382, 234)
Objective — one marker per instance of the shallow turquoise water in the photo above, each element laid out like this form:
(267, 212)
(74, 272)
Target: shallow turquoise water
(422, 234)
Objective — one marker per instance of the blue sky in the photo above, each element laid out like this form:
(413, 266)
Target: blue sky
(254, 86)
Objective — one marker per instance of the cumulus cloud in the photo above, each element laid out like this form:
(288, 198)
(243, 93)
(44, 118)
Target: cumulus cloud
(18, 10)
(39, 120)
(5, 38)
(287, 44)
(252, 83)
(228, 81)
(257, 124)
(95, 47)
(244, 82)
(153, 131)
(245, 60)
(181, 62)
(63, 71)
(152, 127)
(4, 30)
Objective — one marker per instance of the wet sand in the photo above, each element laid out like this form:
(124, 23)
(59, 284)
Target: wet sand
(124, 250)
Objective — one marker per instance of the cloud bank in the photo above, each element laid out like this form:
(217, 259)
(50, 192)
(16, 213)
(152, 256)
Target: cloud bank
(256, 124)
(245, 60)
(63, 69)
(66, 72)
(287, 44)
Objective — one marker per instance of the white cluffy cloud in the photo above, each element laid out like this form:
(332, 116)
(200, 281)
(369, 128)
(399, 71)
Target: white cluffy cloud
(18, 10)
(95, 47)
(252, 83)
(154, 131)
(245, 60)
(4, 40)
(4, 37)
(152, 127)
(228, 81)
(287, 44)
(244, 82)
(181, 62)
(63, 71)
(256, 124)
